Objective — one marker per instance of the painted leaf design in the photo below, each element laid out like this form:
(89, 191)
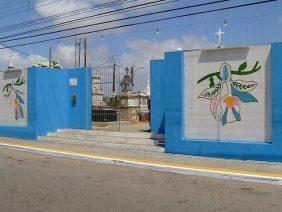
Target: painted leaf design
(214, 105)
(19, 98)
(242, 67)
(21, 115)
(212, 92)
(244, 86)
(7, 87)
(225, 71)
(243, 96)
(20, 81)
(16, 114)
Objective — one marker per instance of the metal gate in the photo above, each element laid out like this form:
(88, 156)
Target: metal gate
(105, 98)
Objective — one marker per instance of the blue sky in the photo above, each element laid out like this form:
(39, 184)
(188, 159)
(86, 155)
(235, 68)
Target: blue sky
(246, 26)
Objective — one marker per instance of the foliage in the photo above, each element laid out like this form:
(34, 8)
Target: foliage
(113, 102)
(53, 64)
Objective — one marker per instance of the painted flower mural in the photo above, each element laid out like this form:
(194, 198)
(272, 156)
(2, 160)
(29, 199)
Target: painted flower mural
(227, 95)
(11, 90)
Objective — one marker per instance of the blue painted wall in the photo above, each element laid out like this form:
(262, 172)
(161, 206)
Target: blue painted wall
(51, 97)
(49, 105)
(80, 115)
(276, 62)
(157, 109)
(54, 105)
(173, 70)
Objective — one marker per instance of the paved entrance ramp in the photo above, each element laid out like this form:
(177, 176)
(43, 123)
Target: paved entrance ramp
(136, 141)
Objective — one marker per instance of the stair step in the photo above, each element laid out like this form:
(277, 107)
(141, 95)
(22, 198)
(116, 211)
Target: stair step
(102, 138)
(107, 133)
(121, 146)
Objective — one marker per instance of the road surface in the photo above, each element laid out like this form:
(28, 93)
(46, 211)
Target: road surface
(33, 182)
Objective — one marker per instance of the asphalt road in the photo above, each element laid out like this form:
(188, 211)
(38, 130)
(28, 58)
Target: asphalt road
(32, 182)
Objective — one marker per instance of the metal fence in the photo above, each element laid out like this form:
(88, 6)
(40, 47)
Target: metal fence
(105, 94)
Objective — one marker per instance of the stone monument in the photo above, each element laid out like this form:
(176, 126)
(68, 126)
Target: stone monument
(132, 104)
(128, 102)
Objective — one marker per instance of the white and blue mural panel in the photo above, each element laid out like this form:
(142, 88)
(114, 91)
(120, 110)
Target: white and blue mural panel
(227, 94)
(13, 98)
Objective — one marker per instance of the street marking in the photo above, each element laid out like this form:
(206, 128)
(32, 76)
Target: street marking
(243, 175)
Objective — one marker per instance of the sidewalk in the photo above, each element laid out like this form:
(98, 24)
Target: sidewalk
(212, 167)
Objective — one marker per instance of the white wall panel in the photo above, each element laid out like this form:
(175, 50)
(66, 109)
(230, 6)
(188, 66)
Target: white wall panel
(13, 98)
(255, 117)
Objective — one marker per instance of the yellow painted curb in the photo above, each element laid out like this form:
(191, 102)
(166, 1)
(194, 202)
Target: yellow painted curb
(147, 162)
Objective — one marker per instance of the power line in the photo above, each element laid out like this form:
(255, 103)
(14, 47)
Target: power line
(185, 25)
(12, 4)
(24, 53)
(62, 15)
(160, 28)
(107, 61)
(17, 3)
(54, 25)
(27, 10)
(104, 14)
(146, 22)
(115, 20)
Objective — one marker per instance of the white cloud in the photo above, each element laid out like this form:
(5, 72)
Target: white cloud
(141, 51)
(138, 52)
(59, 7)
(17, 59)
(71, 5)
(64, 54)
(96, 55)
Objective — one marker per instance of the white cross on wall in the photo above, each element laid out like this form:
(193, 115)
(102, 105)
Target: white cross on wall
(219, 34)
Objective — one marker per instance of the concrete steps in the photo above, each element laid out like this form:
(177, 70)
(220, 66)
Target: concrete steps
(107, 133)
(105, 139)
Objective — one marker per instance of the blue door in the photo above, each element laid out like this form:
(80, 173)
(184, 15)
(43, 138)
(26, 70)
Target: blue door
(75, 113)
(80, 99)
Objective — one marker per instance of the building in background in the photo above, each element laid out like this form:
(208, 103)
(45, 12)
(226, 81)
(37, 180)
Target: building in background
(97, 92)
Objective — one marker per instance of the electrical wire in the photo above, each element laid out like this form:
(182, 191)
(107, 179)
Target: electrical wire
(99, 15)
(28, 10)
(107, 61)
(116, 20)
(145, 22)
(160, 28)
(24, 53)
(62, 15)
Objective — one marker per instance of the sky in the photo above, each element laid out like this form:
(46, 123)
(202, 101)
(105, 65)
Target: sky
(259, 24)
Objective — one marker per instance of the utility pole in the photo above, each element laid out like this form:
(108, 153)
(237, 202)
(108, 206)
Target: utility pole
(132, 75)
(114, 78)
(75, 53)
(79, 51)
(85, 52)
(50, 56)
